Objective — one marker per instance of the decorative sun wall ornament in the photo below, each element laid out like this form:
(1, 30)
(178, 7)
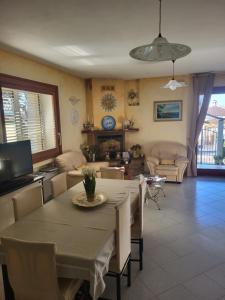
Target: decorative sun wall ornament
(133, 98)
(108, 102)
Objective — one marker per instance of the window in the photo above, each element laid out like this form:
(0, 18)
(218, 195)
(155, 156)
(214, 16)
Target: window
(211, 142)
(29, 110)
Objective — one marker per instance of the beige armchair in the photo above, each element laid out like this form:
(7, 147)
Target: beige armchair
(73, 162)
(168, 159)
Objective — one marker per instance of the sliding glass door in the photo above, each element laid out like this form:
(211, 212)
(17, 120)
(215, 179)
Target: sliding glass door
(211, 143)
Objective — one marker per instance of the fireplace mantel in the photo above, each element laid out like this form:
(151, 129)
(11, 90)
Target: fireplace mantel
(114, 131)
(98, 136)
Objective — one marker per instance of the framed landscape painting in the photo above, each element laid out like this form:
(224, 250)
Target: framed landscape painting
(168, 110)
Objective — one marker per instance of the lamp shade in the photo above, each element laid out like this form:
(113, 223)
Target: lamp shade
(174, 84)
(160, 50)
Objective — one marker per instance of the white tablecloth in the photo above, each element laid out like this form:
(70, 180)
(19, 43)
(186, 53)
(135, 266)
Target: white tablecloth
(84, 238)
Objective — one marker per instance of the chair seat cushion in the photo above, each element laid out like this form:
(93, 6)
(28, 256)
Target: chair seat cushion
(167, 170)
(69, 287)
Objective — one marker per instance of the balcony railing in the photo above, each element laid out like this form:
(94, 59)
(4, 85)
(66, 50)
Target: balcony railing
(211, 141)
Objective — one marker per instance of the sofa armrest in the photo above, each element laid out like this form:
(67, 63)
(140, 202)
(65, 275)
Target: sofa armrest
(97, 165)
(181, 160)
(181, 163)
(74, 177)
(152, 162)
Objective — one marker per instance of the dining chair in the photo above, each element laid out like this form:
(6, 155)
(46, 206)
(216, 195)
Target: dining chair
(138, 225)
(26, 201)
(121, 260)
(59, 184)
(31, 268)
(112, 172)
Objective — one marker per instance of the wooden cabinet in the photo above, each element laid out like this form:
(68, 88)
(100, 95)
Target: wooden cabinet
(135, 167)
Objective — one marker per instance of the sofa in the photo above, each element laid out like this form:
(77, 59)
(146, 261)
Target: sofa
(168, 159)
(72, 162)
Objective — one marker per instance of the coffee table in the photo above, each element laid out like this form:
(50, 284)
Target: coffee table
(154, 189)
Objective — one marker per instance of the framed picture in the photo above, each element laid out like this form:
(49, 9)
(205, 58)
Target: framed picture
(168, 110)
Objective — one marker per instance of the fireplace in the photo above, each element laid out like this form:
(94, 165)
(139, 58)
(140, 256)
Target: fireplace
(109, 145)
(109, 142)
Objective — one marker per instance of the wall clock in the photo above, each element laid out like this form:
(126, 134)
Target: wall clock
(108, 123)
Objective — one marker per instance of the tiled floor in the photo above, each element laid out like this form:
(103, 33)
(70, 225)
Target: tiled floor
(184, 250)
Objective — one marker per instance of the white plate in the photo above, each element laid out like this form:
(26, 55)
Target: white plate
(81, 200)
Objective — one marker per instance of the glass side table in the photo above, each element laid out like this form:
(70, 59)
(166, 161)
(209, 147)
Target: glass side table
(154, 189)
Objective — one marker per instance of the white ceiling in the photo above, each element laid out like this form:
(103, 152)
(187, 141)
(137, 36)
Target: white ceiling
(92, 38)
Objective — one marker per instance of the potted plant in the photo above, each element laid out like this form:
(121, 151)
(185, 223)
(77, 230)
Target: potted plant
(89, 183)
(136, 150)
(218, 159)
(90, 151)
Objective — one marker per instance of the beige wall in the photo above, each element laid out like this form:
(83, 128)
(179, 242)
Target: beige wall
(68, 86)
(151, 90)
(96, 96)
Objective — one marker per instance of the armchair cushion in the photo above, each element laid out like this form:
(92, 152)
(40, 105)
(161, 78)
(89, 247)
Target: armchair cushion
(70, 160)
(168, 159)
(167, 162)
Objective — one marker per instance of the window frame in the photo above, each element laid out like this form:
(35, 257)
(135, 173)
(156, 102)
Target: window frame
(13, 82)
(213, 172)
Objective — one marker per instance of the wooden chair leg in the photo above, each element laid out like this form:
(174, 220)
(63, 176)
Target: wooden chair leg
(118, 287)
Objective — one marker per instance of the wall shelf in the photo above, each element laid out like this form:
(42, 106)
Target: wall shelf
(114, 131)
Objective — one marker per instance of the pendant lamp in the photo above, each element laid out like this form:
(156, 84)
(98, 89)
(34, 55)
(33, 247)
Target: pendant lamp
(174, 84)
(160, 49)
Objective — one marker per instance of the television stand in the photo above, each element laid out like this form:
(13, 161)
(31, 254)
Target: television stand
(18, 183)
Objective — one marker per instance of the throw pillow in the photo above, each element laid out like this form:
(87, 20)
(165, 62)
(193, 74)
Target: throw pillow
(167, 162)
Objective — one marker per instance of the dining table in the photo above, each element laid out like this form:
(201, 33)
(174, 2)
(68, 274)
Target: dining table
(84, 237)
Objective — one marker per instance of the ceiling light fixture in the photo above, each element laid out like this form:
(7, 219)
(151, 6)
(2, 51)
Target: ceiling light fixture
(174, 84)
(160, 49)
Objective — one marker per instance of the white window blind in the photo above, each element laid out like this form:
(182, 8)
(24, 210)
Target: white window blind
(30, 116)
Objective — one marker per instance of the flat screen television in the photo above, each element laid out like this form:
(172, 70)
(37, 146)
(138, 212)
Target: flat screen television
(15, 160)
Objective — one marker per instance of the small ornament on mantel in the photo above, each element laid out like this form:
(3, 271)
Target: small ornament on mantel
(106, 88)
